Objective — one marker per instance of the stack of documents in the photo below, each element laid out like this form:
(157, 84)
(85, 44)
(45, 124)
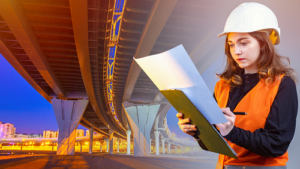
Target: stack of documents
(176, 76)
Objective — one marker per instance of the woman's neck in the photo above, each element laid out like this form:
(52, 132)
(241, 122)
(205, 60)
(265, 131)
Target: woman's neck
(250, 70)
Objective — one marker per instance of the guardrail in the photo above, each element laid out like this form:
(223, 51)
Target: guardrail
(14, 140)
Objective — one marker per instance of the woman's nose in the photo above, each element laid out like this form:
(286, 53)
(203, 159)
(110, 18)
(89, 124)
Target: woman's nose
(238, 51)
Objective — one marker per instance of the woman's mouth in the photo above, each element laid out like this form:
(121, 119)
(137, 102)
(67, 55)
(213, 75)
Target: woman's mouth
(240, 59)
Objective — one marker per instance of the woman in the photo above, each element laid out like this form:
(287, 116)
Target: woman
(256, 80)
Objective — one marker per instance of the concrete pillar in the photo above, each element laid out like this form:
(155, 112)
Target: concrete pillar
(118, 144)
(91, 133)
(107, 144)
(150, 145)
(101, 144)
(68, 114)
(128, 141)
(192, 151)
(80, 146)
(156, 133)
(176, 149)
(169, 148)
(181, 150)
(163, 145)
(111, 141)
(141, 119)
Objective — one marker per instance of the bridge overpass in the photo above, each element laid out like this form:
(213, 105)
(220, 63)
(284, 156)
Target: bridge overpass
(78, 54)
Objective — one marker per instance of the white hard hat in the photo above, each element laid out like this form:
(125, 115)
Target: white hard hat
(250, 17)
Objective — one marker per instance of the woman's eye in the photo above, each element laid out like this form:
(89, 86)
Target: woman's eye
(244, 43)
(231, 45)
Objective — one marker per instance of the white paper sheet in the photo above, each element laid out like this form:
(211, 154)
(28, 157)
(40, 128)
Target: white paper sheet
(174, 69)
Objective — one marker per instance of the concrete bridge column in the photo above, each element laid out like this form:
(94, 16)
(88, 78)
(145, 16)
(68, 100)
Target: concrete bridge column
(128, 141)
(156, 133)
(101, 144)
(181, 149)
(111, 141)
(118, 144)
(52, 146)
(150, 146)
(163, 145)
(176, 149)
(169, 148)
(68, 114)
(107, 144)
(91, 133)
(141, 119)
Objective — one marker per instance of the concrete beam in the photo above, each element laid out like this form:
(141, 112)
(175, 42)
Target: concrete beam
(158, 98)
(12, 13)
(79, 15)
(68, 114)
(157, 19)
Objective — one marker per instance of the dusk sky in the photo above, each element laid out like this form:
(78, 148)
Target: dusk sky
(22, 106)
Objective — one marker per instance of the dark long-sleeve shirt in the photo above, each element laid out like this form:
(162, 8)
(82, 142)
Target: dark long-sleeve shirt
(272, 140)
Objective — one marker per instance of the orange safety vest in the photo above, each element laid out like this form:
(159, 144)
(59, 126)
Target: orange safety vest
(256, 104)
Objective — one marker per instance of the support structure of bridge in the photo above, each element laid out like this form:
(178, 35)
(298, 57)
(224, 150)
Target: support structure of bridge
(141, 119)
(68, 114)
(78, 56)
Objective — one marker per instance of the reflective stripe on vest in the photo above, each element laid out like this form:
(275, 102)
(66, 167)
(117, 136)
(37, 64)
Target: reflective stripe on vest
(256, 104)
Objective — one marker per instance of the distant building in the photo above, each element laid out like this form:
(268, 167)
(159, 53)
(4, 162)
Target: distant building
(17, 135)
(87, 133)
(7, 130)
(50, 134)
(35, 136)
(79, 132)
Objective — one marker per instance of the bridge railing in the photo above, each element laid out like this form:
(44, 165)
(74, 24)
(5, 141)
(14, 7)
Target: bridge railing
(6, 140)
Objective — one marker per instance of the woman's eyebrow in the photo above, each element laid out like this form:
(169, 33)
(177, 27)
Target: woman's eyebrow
(238, 39)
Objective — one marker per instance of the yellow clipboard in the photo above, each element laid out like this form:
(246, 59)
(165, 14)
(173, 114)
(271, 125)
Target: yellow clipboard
(210, 137)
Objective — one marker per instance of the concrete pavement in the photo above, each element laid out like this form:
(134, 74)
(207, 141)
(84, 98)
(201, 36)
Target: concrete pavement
(104, 160)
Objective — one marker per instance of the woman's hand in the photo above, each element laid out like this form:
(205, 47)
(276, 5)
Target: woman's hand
(184, 126)
(225, 128)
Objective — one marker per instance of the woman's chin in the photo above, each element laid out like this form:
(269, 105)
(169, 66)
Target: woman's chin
(242, 66)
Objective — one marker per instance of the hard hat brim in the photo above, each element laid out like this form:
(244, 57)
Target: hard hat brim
(225, 33)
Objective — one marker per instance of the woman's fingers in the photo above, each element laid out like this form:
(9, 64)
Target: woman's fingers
(189, 126)
(183, 121)
(184, 126)
(227, 112)
(179, 115)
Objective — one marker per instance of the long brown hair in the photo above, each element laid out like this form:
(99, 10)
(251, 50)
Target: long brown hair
(270, 63)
